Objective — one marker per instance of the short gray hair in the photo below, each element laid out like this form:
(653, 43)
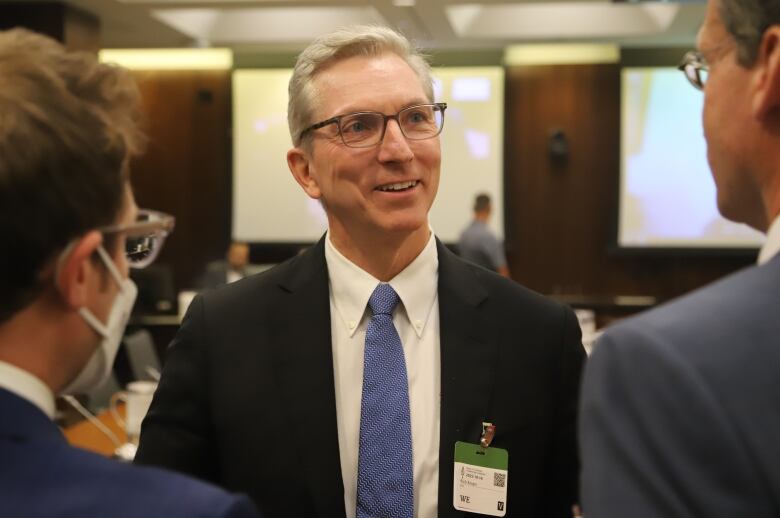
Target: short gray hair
(746, 21)
(347, 42)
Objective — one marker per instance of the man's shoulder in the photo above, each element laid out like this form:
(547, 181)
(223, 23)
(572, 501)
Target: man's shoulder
(173, 494)
(217, 266)
(502, 290)
(116, 489)
(477, 230)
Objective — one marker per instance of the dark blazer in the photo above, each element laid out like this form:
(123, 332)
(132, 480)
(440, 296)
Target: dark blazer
(247, 395)
(41, 475)
(681, 406)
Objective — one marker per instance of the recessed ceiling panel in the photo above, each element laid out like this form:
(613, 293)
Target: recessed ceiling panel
(560, 20)
(272, 25)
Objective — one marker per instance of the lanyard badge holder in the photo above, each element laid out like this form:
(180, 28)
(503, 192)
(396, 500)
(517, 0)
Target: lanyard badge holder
(481, 475)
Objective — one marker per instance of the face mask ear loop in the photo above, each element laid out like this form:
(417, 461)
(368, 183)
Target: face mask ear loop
(107, 261)
(97, 325)
(110, 266)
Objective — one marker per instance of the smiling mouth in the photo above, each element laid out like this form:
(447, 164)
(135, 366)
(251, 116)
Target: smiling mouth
(398, 187)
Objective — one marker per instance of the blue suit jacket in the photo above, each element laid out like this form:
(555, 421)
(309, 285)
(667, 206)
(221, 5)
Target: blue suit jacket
(42, 475)
(680, 411)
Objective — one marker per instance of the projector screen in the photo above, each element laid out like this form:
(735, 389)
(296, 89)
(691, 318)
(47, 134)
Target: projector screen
(667, 194)
(270, 207)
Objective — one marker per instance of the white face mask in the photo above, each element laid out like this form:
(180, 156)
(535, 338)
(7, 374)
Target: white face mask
(99, 366)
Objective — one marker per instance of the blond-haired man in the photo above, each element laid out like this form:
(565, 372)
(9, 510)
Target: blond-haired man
(70, 228)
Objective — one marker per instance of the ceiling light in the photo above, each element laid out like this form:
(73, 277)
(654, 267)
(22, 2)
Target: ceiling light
(169, 59)
(561, 54)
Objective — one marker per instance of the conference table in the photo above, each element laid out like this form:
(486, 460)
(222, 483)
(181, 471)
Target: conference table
(86, 435)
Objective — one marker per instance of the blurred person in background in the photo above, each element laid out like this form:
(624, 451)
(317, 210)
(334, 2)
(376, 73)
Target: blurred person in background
(477, 242)
(231, 269)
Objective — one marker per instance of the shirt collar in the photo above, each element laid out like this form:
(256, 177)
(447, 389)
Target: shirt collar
(27, 386)
(772, 244)
(416, 286)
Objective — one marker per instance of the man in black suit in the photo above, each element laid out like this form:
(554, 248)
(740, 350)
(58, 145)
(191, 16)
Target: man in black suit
(272, 385)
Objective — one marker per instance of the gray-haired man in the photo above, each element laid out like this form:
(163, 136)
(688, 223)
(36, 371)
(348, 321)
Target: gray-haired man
(339, 383)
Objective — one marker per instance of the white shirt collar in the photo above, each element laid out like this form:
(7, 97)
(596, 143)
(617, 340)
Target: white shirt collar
(772, 244)
(416, 285)
(27, 386)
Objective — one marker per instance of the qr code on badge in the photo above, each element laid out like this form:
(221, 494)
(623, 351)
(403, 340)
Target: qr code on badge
(499, 479)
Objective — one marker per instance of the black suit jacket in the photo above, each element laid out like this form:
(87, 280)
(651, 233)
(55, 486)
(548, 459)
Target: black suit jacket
(247, 396)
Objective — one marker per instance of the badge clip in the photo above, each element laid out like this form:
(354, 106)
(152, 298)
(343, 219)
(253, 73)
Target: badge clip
(488, 432)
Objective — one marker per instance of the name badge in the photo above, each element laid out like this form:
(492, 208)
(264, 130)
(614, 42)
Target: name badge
(481, 476)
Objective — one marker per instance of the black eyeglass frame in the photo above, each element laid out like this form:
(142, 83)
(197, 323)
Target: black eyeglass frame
(693, 65)
(337, 121)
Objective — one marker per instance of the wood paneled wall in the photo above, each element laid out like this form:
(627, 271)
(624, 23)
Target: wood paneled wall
(187, 168)
(561, 215)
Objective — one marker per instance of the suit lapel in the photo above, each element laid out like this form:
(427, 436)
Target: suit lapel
(467, 366)
(305, 364)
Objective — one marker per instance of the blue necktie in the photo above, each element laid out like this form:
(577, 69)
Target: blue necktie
(385, 479)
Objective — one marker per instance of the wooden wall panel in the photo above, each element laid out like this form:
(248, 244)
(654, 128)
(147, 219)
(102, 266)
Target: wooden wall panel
(187, 168)
(560, 216)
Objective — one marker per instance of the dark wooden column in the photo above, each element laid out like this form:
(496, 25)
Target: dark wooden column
(76, 29)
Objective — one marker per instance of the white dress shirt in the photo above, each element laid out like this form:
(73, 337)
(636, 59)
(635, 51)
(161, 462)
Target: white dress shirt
(416, 319)
(27, 386)
(772, 244)
(233, 276)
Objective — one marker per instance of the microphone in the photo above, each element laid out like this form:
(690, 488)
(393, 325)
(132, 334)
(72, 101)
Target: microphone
(124, 451)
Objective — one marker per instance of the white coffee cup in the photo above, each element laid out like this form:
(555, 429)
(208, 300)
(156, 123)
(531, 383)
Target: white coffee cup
(137, 398)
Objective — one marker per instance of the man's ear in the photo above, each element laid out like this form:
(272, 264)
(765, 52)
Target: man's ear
(76, 269)
(766, 91)
(299, 164)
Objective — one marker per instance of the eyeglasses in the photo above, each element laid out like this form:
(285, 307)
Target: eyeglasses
(145, 237)
(695, 68)
(367, 129)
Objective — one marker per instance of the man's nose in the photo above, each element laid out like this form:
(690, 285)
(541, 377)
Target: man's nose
(394, 146)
